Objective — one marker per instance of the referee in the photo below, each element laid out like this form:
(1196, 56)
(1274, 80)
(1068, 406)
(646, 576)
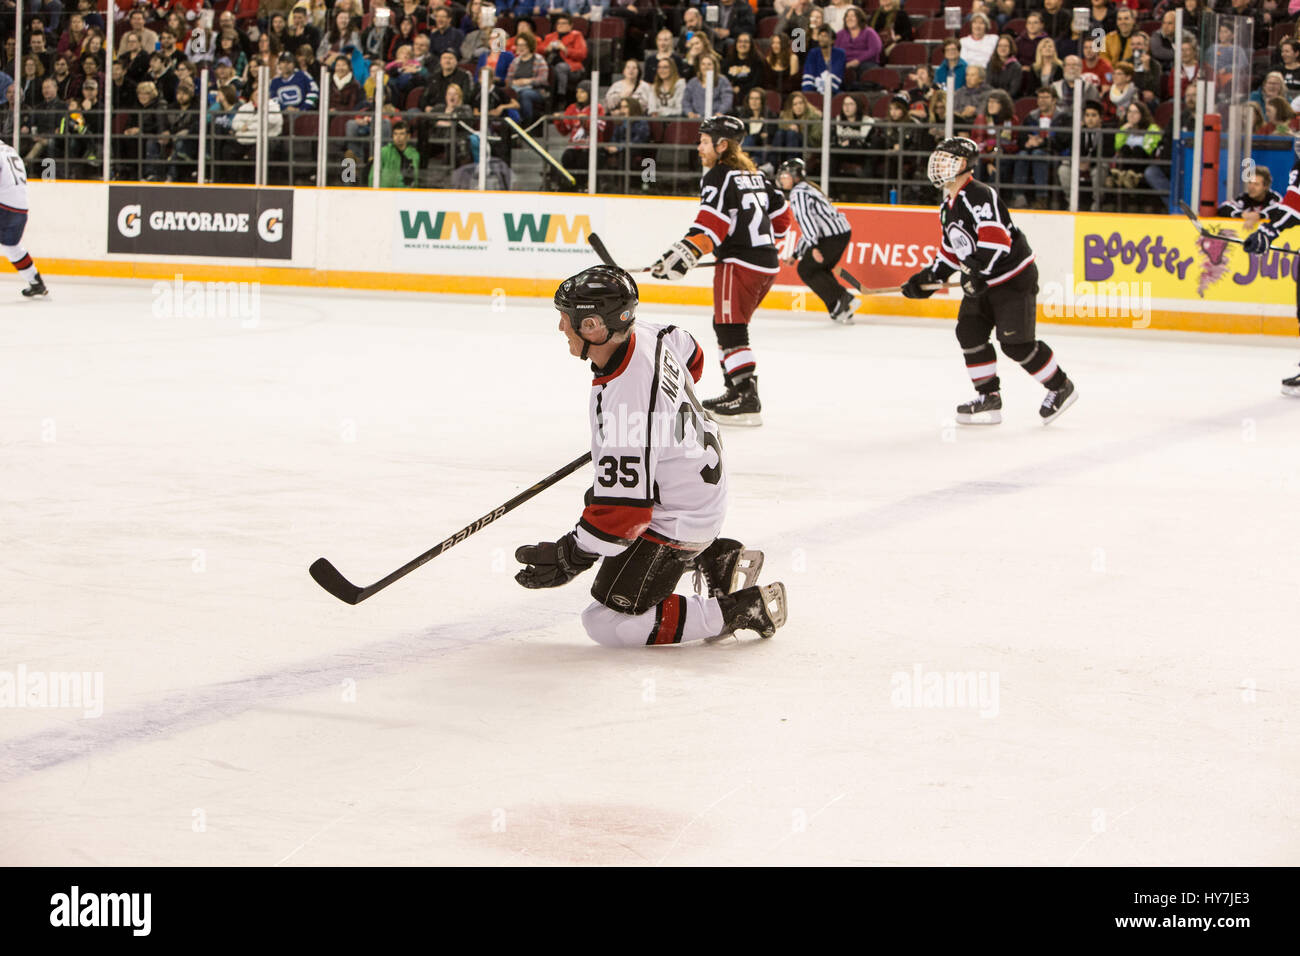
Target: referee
(824, 234)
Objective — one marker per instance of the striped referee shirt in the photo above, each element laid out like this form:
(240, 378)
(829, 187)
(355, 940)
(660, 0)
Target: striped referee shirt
(816, 217)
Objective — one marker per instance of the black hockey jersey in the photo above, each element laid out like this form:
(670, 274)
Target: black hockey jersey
(1286, 212)
(1243, 203)
(978, 236)
(742, 218)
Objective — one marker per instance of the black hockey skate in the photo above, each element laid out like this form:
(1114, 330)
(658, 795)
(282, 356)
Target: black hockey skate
(761, 610)
(985, 409)
(843, 311)
(726, 566)
(738, 405)
(1058, 401)
(36, 288)
(1291, 386)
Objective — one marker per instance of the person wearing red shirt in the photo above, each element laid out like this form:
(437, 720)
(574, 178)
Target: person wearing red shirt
(565, 50)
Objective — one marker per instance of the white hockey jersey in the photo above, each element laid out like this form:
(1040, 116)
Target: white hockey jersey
(13, 180)
(657, 456)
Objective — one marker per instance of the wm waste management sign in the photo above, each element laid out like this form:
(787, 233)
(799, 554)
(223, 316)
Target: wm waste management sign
(211, 222)
(444, 233)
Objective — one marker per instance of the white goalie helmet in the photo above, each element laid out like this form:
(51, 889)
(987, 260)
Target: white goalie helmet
(954, 156)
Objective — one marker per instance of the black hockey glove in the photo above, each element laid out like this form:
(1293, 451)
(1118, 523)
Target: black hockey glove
(912, 287)
(552, 563)
(973, 284)
(1257, 242)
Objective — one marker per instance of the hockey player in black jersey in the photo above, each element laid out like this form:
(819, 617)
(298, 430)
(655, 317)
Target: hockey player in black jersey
(742, 220)
(999, 284)
(1273, 219)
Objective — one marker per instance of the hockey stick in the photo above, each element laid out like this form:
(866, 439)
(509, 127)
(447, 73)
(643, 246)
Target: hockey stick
(541, 151)
(854, 281)
(1209, 234)
(598, 246)
(328, 577)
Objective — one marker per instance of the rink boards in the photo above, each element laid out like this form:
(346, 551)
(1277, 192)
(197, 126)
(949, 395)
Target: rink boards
(1094, 269)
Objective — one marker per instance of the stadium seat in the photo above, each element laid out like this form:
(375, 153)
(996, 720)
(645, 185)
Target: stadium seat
(1016, 26)
(931, 30)
(880, 107)
(1164, 114)
(306, 124)
(930, 7)
(582, 26)
(767, 26)
(1024, 105)
(909, 54)
(884, 77)
(413, 98)
(1280, 32)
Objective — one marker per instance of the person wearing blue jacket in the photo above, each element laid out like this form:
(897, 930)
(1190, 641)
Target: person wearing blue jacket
(952, 64)
(293, 89)
(693, 101)
(824, 56)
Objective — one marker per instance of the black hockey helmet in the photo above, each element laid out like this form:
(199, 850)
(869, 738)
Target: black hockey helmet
(954, 156)
(725, 127)
(795, 167)
(606, 291)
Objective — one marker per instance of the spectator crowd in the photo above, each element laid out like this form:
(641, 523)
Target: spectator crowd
(880, 68)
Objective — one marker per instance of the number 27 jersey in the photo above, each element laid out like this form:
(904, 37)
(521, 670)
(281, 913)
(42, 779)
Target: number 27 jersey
(657, 456)
(743, 216)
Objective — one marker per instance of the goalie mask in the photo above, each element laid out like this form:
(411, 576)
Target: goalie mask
(950, 159)
(605, 291)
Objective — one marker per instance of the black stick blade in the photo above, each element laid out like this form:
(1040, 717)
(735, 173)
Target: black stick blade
(599, 246)
(328, 577)
(851, 279)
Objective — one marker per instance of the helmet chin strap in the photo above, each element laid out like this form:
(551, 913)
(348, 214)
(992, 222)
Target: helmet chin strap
(586, 344)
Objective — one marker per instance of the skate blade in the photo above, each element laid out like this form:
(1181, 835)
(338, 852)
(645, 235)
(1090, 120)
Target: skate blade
(1061, 411)
(748, 565)
(979, 418)
(775, 605)
(748, 419)
(1291, 391)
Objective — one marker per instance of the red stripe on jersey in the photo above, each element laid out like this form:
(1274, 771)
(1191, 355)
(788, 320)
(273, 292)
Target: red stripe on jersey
(783, 221)
(627, 357)
(11, 208)
(995, 233)
(670, 621)
(1292, 199)
(714, 223)
(620, 522)
(696, 364)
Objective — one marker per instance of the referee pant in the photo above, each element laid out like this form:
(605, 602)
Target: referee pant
(820, 276)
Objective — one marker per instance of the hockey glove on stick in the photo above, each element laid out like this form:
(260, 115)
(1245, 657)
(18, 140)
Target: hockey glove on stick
(1257, 242)
(552, 563)
(973, 284)
(676, 262)
(913, 287)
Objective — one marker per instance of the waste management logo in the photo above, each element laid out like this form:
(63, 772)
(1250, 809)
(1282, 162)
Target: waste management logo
(455, 230)
(218, 222)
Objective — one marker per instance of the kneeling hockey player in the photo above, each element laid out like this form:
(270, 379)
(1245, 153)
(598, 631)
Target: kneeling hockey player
(660, 489)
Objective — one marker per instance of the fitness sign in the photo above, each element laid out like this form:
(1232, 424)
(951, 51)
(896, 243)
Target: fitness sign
(212, 222)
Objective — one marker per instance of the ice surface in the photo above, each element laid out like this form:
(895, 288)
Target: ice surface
(1127, 575)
